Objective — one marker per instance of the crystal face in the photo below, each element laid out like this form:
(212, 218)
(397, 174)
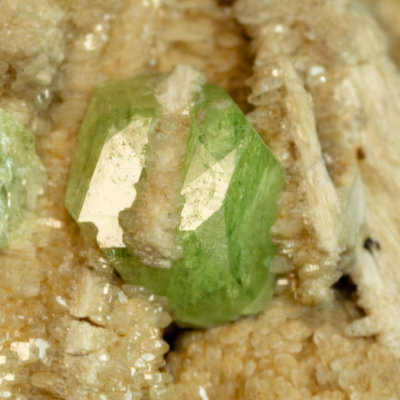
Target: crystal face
(118, 168)
(221, 182)
(21, 178)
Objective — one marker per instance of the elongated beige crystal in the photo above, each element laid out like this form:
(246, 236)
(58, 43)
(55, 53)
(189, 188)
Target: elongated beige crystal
(151, 224)
(310, 115)
(344, 68)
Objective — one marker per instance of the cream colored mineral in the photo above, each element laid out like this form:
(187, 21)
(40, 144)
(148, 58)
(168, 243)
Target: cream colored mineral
(387, 13)
(288, 352)
(151, 223)
(309, 112)
(347, 82)
(325, 97)
(69, 328)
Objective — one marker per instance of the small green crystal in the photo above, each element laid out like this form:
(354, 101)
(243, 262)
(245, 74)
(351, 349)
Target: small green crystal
(229, 188)
(21, 178)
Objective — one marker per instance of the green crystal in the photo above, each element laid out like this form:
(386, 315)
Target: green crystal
(230, 187)
(21, 178)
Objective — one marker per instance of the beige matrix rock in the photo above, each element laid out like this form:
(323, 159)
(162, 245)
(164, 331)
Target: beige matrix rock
(336, 91)
(318, 83)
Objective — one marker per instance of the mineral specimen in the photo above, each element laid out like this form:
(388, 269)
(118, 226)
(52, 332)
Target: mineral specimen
(180, 192)
(56, 282)
(21, 178)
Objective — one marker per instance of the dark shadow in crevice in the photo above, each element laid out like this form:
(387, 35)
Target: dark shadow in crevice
(347, 289)
(172, 334)
(235, 79)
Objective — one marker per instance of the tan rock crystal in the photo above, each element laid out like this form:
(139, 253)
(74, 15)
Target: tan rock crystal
(206, 36)
(30, 68)
(322, 209)
(346, 69)
(287, 352)
(312, 46)
(150, 225)
(375, 270)
(55, 280)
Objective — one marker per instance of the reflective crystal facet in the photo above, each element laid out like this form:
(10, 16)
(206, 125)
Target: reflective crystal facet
(22, 176)
(230, 185)
(109, 159)
(118, 169)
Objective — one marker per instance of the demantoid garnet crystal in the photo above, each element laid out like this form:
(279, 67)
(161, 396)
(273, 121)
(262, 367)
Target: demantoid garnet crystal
(22, 176)
(180, 193)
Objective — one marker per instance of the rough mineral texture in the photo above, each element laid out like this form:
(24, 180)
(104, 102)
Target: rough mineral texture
(57, 287)
(332, 137)
(188, 194)
(310, 115)
(22, 177)
(32, 47)
(288, 352)
(69, 329)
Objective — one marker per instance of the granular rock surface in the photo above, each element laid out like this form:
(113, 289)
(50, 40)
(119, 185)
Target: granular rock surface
(288, 352)
(69, 327)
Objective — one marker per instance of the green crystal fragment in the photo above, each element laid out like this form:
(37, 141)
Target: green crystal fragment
(230, 186)
(108, 135)
(22, 176)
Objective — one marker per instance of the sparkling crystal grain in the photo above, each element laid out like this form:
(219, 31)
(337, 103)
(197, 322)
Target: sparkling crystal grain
(109, 159)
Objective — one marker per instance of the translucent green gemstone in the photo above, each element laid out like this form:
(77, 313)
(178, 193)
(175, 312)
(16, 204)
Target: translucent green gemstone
(21, 178)
(229, 188)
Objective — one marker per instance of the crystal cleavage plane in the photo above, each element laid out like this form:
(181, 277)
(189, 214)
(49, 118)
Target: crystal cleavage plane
(180, 193)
